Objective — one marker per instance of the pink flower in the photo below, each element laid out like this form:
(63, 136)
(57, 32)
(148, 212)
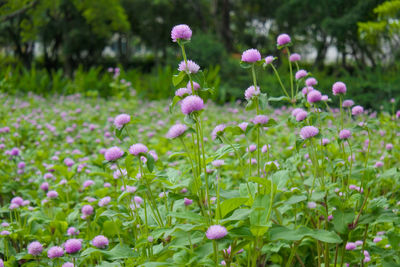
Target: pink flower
(344, 134)
(73, 246)
(283, 39)
(294, 57)
(189, 67)
(339, 88)
(136, 149)
(121, 120)
(191, 103)
(251, 91)
(301, 74)
(113, 153)
(216, 232)
(181, 31)
(251, 55)
(308, 132)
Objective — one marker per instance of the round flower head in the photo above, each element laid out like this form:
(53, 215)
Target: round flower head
(357, 110)
(308, 132)
(100, 241)
(269, 59)
(189, 67)
(138, 200)
(52, 194)
(104, 201)
(191, 103)
(55, 252)
(73, 245)
(260, 120)
(251, 91)
(314, 96)
(307, 90)
(351, 246)
(296, 111)
(121, 120)
(219, 129)
(283, 39)
(311, 205)
(136, 149)
(181, 31)
(348, 103)
(176, 130)
(183, 91)
(294, 57)
(216, 232)
(68, 264)
(344, 134)
(17, 200)
(339, 88)
(301, 115)
(1, 263)
(35, 248)
(325, 141)
(87, 210)
(69, 162)
(324, 98)
(251, 55)
(72, 231)
(218, 163)
(301, 74)
(196, 86)
(243, 126)
(311, 81)
(389, 146)
(187, 201)
(113, 153)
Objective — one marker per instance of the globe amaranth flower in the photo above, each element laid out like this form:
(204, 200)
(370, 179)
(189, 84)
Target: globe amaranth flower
(300, 74)
(339, 88)
(87, 210)
(191, 103)
(301, 115)
(104, 201)
(269, 59)
(311, 205)
(100, 241)
(113, 153)
(73, 245)
(251, 91)
(311, 81)
(344, 134)
(296, 111)
(183, 91)
(294, 57)
(121, 120)
(324, 98)
(69, 162)
(176, 130)
(307, 90)
(243, 126)
(357, 110)
(68, 264)
(308, 132)
(251, 55)
(196, 86)
(218, 163)
(52, 194)
(55, 252)
(17, 200)
(181, 31)
(136, 149)
(216, 232)
(219, 129)
(189, 67)
(72, 231)
(187, 201)
(314, 96)
(283, 39)
(351, 246)
(35, 248)
(348, 103)
(260, 120)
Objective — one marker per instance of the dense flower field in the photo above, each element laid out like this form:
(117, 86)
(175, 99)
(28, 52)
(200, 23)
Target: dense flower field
(89, 182)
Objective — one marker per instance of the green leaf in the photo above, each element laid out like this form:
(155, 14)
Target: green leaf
(259, 215)
(188, 215)
(231, 204)
(177, 79)
(341, 220)
(250, 105)
(175, 100)
(245, 65)
(150, 162)
(277, 99)
(278, 232)
(295, 199)
(119, 252)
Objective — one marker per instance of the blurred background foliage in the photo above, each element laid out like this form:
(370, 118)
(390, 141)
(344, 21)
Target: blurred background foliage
(67, 46)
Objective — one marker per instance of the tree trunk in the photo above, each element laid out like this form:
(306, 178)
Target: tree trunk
(225, 29)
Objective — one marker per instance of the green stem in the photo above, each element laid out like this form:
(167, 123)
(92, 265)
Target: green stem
(291, 73)
(280, 81)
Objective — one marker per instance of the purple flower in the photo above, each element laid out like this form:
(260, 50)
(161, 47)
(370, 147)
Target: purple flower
(191, 103)
(104, 201)
(187, 201)
(377, 239)
(339, 88)
(311, 81)
(218, 163)
(72, 231)
(348, 103)
(301, 74)
(389, 147)
(113, 153)
(351, 246)
(283, 39)
(306, 90)
(344, 134)
(250, 92)
(176, 131)
(251, 55)
(311, 205)
(121, 120)
(52, 194)
(87, 183)
(68, 264)
(55, 252)
(301, 115)
(314, 96)
(87, 210)
(100, 241)
(357, 110)
(189, 67)
(260, 120)
(196, 86)
(183, 91)
(136, 149)
(181, 31)
(308, 132)
(216, 232)
(218, 130)
(378, 164)
(294, 57)
(17, 200)
(35, 248)
(269, 59)
(243, 126)
(73, 245)
(69, 162)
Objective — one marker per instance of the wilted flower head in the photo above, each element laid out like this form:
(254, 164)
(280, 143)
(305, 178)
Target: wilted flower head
(191, 103)
(181, 31)
(189, 67)
(216, 232)
(176, 130)
(251, 55)
(196, 86)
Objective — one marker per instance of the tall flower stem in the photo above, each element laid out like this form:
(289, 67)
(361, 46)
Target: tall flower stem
(279, 80)
(253, 72)
(291, 73)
